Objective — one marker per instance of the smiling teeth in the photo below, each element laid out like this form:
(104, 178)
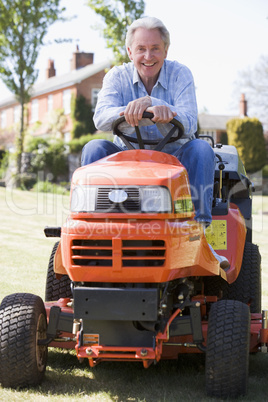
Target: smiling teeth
(149, 65)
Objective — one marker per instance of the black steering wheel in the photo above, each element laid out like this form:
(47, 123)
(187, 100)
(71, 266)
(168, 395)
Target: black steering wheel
(159, 144)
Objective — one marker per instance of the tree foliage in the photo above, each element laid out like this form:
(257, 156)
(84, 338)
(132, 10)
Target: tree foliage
(247, 136)
(117, 16)
(23, 25)
(253, 81)
(82, 117)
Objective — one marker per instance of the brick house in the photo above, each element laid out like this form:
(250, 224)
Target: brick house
(85, 78)
(215, 125)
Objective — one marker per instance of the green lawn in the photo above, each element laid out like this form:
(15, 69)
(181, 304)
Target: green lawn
(23, 263)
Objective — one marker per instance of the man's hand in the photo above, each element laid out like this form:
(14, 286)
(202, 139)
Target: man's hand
(162, 114)
(134, 110)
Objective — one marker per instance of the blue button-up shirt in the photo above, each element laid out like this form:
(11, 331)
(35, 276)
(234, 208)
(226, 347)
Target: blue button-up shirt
(174, 88)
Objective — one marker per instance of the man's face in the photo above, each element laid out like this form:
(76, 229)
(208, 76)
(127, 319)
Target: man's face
(147, 53)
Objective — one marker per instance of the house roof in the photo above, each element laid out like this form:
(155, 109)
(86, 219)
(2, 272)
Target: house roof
(62, 81)
(213, 122)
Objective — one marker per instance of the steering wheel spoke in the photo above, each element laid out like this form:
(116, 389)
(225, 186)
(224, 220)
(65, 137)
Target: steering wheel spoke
(159, 144)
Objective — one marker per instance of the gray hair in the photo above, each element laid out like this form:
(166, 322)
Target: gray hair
(148, 23)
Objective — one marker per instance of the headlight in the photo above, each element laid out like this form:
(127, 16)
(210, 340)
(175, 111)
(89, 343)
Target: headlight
(155, 199)
(125, 199)
(83, 199)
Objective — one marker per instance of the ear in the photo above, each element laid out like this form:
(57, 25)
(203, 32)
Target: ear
(129, 53)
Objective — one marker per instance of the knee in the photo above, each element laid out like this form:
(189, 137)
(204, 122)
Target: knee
(93, 151)
(202, 149)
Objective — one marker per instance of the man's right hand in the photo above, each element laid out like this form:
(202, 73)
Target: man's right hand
(134, 110)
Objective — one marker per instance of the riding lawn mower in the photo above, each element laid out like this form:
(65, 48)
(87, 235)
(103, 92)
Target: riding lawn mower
(133, 278)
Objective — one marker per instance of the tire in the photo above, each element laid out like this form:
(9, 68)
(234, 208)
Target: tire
(247, 287)
(23, 322)
(56, 288)
(227, 355)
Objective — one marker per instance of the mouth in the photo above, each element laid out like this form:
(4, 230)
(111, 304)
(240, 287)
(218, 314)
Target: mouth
(148, 64)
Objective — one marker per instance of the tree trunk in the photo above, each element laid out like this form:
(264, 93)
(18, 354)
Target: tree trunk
(20, 145)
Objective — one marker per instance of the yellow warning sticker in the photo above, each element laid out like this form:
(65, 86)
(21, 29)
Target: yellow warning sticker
(216, 235)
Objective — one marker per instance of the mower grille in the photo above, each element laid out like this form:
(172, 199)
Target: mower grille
(92, 252)
(134, 253)
(132, 204)
(143, 253)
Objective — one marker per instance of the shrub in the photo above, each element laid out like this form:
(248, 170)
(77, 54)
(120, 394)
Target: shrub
(34, 143)
(48, 187)
(265, 171)
(50, 158)
(76, 145)
(224, 138)
(82, 117)
(4, 160)
(247, 136)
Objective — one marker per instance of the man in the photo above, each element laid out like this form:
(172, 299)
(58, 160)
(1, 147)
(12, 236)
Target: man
(165, 88)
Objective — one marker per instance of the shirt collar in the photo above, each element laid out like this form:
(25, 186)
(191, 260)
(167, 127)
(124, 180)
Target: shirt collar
(162, 79)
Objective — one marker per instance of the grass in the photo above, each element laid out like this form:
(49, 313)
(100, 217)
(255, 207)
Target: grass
(23, 263)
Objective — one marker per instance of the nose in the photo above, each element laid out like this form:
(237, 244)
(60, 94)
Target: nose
(148, 55)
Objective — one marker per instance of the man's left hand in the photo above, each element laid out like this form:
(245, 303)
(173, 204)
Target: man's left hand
(162, 114)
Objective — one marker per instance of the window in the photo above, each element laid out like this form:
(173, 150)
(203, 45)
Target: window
(50, 103)
(211, 133)
(67, 101)
(16, 114)
(94, 97)
(35, 110)
(3, 121)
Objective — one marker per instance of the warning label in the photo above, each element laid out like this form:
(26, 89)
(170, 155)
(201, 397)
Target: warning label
(216, 235)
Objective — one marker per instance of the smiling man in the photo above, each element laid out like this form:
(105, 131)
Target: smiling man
(165, 88)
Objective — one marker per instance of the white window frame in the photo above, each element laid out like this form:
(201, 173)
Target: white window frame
(50, 103)
(211, 133)
(35, 110)
(3, 121)
(66, 101)
(16, 114)
(94, 97)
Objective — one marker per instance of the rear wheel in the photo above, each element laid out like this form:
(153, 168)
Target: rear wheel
(56, 288)
(247, 286)
(22, 323)
(227, 354)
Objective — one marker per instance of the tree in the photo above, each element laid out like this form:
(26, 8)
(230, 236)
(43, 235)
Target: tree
(247, 136)
(117, 15)
(254, 83)
(23, 25)
(82, 117)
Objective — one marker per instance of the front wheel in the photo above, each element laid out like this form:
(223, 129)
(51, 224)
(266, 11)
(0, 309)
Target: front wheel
(227, 355)
(56, 288)
(23, 323)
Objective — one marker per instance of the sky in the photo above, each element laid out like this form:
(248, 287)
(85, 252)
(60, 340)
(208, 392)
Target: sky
(216, 39)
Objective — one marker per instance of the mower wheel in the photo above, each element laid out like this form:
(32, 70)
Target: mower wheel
(23, 322)
(227, 355)
(56, 288)
(247, 287)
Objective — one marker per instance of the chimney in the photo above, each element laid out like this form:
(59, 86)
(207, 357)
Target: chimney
(50, 72)
(81, 59)
(243, 106)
